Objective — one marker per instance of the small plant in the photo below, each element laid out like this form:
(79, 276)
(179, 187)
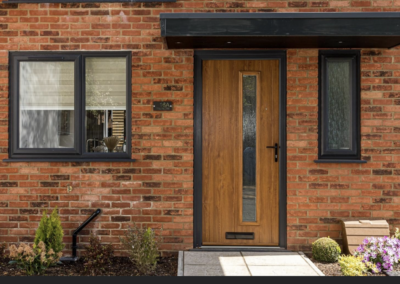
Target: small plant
(384, 252)
(3, 251)
(50, 232)
(397, 234)
(34, 260)
(325, 250)
(356, 266)
(141, 245)
(97, 256)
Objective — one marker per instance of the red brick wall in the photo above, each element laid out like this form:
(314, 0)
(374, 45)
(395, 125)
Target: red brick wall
(321, 194)
(157, 190)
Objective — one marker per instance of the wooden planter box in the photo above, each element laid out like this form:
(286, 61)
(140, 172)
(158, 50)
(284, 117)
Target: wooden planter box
(354, 232)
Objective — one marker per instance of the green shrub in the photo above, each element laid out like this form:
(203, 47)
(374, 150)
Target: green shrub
(141, 245)
(325, 250)
(3, 251)
(97, 256)
(50, 232)
(34, 260)
(354, 266)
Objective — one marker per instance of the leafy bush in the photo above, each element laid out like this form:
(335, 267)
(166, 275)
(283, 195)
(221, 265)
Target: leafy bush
(141, 245)
(384, 252)
(34, 260)
(355, 266)
(97, 256)
(3, 251)
(325, 250)
(50, 232)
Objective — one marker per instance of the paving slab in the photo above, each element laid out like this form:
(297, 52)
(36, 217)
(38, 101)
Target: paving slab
(260, 258)
(212, 258)
(228, 263)
(271, 270)
(216, 270)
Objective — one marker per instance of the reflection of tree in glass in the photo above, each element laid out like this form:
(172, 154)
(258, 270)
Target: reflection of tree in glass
(95, 95)
(45, 91)
(249, 110)
(339, 104)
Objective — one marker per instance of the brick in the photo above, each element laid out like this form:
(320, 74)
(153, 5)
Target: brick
(157, 189)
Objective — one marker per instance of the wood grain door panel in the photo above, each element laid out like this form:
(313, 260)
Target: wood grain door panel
(222, 152)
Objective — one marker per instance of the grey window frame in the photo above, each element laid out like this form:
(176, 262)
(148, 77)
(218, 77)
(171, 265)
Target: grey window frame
(337, 155)
(78, 152)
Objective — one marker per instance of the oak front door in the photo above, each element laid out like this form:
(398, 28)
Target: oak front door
(240, 142)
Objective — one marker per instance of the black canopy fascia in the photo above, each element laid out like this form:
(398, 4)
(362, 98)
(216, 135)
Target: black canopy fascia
(281, 30)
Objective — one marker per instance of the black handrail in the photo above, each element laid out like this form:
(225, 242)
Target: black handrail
(75, 234)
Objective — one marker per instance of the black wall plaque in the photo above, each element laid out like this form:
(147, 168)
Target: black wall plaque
(164, 106)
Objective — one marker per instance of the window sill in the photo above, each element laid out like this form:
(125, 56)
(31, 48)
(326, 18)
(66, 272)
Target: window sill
(87, 1)
(68, 160)
(333, 161)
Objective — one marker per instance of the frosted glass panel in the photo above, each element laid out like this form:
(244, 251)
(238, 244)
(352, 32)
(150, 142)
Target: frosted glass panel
(249, 147)
(105, 104)
(339, 104)
(46, 105)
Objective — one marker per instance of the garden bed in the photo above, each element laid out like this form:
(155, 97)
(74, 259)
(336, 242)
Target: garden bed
(333, 269)
(120, 266)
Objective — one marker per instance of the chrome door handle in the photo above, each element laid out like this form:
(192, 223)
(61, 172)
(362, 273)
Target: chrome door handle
(276, 151)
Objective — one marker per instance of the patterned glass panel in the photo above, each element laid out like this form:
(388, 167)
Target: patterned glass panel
(339, 104)
(249, 147)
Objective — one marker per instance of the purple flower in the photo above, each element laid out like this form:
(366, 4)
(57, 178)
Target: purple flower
(384, 252)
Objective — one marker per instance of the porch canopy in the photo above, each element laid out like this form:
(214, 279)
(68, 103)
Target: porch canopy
(281, 30)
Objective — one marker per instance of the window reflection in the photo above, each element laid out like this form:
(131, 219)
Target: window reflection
(105, 104)
(249, 83)
(46, 105)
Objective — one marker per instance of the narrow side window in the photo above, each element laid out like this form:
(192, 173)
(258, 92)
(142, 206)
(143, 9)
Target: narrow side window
(339, 105)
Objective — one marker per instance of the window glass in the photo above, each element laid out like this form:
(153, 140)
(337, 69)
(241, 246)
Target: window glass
(249, 147)
(46, 105)
(339, 103)
(105, 81)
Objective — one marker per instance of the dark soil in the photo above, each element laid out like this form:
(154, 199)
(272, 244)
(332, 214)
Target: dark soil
(333, 269)
(121, 266)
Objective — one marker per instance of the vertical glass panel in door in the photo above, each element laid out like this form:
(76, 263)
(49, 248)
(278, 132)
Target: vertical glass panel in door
(339, 103)
(105, 81)
(249, 84)
(46, 105)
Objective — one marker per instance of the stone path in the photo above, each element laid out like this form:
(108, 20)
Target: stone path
(245, 263)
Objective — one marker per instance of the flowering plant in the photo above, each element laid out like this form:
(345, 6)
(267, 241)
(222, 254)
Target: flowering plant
(35, 259)
(384, 252)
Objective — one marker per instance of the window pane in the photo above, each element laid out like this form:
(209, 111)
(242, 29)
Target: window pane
(339, 103)
(46, 105)
(105, 104)
(249, 147)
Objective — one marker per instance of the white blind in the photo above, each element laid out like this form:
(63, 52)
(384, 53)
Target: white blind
(105, 83)
(46, 86)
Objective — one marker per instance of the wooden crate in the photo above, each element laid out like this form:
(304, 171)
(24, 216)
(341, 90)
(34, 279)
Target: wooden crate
(354, 232)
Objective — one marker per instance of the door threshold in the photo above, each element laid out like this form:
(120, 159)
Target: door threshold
(240, 248)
